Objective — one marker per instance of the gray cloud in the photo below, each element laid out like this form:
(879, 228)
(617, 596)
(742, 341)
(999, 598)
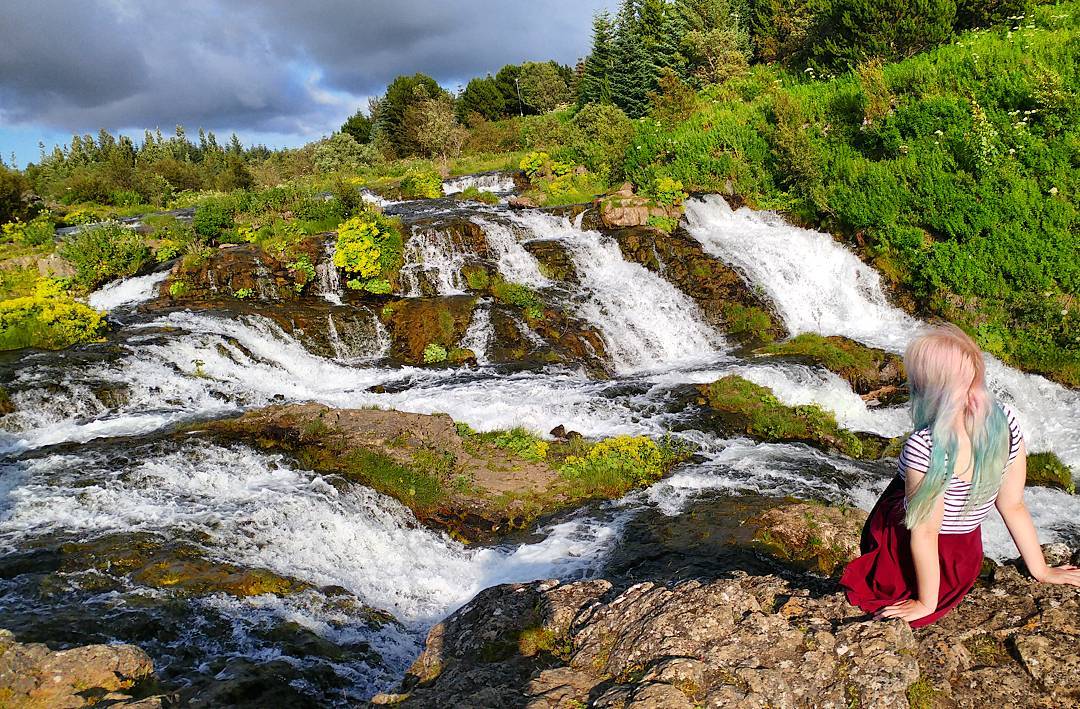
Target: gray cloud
(273, 66)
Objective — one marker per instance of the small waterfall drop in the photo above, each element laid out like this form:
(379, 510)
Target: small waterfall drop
(480, 332)
(497, 182)
(646, 322)
(434, 261)
(327, 276)
(515, 263)
(127, 292)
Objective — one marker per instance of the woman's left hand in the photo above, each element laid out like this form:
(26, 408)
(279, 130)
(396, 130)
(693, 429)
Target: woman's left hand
(908, 610)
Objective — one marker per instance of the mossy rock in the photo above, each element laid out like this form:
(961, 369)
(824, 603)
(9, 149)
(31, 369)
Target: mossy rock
(811, 532)
(416, 323)
(202, 577)
(751, 409)
(1047, 470)
(7, 406)
(869, 370)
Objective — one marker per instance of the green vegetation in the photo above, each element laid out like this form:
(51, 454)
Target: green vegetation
(49, 318)
(921, 694)
(519, 441)
(617, 464)
(369, 250)
(434, 353)
(858, 364)
(520, 296)
(746, 322)
(1046, 469)
(104, 253)
(754, 410)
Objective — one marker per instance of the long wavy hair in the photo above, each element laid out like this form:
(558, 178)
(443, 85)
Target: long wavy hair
(947, 377)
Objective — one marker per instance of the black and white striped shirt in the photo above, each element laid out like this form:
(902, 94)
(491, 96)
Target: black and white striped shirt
(916, 456)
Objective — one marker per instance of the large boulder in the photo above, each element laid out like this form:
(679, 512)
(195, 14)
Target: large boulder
(748, 640)
(826, 537)
(622, 208)
(32, 675)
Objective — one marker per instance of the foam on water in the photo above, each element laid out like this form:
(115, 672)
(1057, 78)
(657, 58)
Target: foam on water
(480, 332)
(432, 256)
(494, 182)
(820, 286)
(515, 263)
(645, 321)
(128, 291)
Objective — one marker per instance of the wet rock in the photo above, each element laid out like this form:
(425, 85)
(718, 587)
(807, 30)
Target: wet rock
(521, 202)
(740, 406)
(32, 675)
(7, 406)
(243, 271)
(873, 373)
(554, 260)
(748, 640)
(809, 531)
(416, 323)
(725, 298)
(623, 208)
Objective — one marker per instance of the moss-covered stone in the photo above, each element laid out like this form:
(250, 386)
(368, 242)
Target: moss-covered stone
(825, 536)
(869, 370)
(416, 323)
(751, 409)
(7, 406)
(1047, 470)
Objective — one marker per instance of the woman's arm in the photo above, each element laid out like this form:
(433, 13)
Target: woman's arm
(1010, 503)
(924, 552)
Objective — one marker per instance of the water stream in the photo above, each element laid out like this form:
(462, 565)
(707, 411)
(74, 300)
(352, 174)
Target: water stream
(86, 454)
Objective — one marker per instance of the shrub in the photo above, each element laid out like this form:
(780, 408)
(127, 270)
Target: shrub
(341, 152)
(303, 272)
(369, 250)
(434, 353)
(39, 230)
(103, 253)
(421, 184)
(599, 137)
(533, 163)
(852, 31)
(213, 216)
(616, 464)
(669, 192)
(520, 296)
(49, 319)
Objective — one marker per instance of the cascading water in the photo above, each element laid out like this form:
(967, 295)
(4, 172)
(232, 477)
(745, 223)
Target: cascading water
(360, 551)
(499, 183)
(127, 292)
(645, 321)
(819, 286)
(327, 276)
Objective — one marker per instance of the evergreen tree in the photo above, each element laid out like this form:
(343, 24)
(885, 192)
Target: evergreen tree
(400, 95)
(507, 81)
(483, 97)
(632, 75)
(595, 85)
(359, 127)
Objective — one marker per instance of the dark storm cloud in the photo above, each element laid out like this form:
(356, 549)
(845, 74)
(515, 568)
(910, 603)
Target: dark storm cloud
(277, 66)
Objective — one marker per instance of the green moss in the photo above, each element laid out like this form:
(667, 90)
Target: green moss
(616, 465)
(747, 322)
(856, 363)
(758, 412)
(519, 296)
(477, 277)
(921, 694)
(420, 489)
(434, 353)
(1046, 469)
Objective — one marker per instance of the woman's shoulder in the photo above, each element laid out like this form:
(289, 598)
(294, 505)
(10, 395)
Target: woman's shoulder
(915, 453)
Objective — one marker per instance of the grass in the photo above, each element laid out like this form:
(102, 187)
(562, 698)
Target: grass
(856, 363)
(1047, 470)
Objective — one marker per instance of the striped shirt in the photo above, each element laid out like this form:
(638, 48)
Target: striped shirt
(916, 456)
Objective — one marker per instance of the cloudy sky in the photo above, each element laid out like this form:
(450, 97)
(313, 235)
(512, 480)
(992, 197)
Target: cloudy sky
(279, 72)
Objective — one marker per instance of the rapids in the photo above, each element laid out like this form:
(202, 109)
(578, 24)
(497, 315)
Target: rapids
(87, 453)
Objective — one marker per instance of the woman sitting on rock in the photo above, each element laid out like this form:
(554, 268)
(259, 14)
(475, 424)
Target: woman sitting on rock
(922, 544)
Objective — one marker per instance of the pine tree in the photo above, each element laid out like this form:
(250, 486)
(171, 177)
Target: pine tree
(595, 85)
(632, 74)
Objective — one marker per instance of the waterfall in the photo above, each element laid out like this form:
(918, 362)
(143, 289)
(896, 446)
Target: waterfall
(127, 291)
(515, 263)
(327, 277)
(645, 321)
(480, 332)
(434, 261)
(818, 285)
(497, 182)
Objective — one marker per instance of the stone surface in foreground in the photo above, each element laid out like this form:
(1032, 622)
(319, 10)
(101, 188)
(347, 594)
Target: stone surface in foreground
(746, 641)
(32, 675)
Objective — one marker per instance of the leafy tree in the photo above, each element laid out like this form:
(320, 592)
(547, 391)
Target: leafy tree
(779, 28)
(506, 80)
(715, 43)
(595, 85)
(543, 86)
(432, 126)
(12, 186)
(851, 31)
(483, 97)
(359, 126)
(340, 152)
(400, 95)
(632, 72)
(236, 176)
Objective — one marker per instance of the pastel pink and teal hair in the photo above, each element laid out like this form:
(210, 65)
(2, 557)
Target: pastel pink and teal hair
(947, 377)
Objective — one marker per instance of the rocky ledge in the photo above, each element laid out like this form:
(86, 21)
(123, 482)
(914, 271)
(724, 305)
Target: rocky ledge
(32, 675)
(749, 641)
(476, 486)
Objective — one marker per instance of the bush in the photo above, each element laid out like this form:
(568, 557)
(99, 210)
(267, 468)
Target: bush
(669, 192)
(599, 138)
(421, 184)
(104, 253)
(533, 163)
(39, 230)
(852, 31)
(434, 353)
(341, 153)
(369, 250)
(49, 319)
(213, 217)
(616, 464)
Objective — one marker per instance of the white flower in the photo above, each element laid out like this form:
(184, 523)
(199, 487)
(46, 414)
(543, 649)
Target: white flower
(1053, 190)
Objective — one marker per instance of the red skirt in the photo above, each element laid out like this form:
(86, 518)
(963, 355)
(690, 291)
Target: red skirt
(885, 573)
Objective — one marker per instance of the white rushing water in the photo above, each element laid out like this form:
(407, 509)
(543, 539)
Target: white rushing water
(645, 321)
(499, 183)
(127, 291)
(432, 258)
(479, 334)
(819, 286)
(515, 263)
